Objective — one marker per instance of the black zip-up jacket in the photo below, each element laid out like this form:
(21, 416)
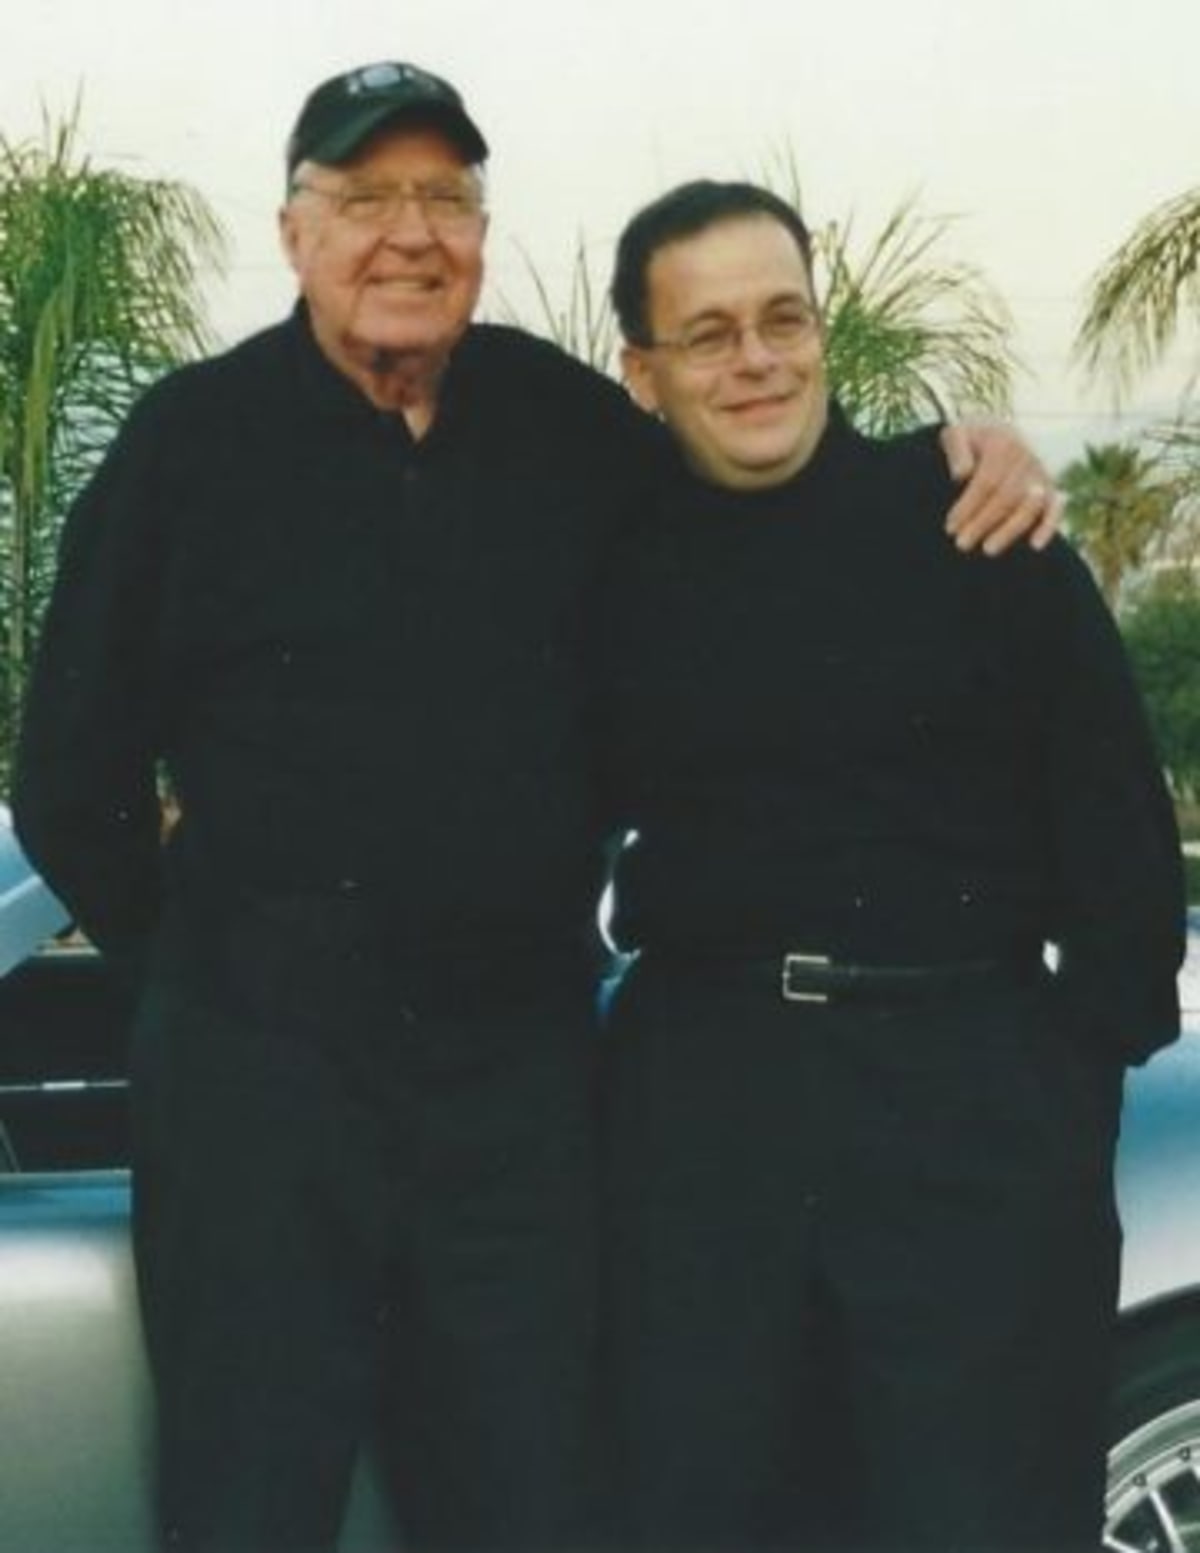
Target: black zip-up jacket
(355, 655)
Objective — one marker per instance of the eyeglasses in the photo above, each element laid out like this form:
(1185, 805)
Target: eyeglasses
(444, 207)
(715, 342)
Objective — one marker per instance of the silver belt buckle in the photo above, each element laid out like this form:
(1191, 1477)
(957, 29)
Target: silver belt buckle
(797, 962)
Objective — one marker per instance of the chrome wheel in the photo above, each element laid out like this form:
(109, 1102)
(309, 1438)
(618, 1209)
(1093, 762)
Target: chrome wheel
(1153, 1501)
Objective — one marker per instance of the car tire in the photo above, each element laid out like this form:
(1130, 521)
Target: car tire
(1152, 1503)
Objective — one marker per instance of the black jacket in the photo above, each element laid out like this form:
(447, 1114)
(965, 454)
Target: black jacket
(833, 732)
(354, 656)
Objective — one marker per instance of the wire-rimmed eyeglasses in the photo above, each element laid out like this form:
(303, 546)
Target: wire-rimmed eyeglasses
(715, 341)
(443, 207)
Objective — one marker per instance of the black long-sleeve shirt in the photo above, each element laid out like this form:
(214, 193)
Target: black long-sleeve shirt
(832, 732)
(355, 654)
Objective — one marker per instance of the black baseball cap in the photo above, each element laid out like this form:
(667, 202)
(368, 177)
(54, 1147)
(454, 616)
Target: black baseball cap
(343, 111)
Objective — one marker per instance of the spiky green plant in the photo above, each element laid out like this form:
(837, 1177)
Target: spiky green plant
(911, 336)
(99, 293)
(583, 323)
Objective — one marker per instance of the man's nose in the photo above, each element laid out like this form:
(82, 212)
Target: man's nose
(752, 351)
(407, 220)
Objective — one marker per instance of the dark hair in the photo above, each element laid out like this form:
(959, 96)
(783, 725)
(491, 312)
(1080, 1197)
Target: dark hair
(685, 211)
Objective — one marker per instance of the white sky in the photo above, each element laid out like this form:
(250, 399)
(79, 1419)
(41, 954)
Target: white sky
(1047, 127)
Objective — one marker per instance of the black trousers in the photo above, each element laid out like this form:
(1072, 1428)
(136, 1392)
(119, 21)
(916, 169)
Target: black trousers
(863, 1269)
(349, 1206)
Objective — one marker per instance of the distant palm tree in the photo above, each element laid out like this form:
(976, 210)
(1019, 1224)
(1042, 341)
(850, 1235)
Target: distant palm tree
(99, 294)
(1134, 302)
(1118, 511)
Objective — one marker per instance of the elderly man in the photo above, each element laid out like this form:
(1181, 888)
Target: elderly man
(864, 1246)
(333, 583)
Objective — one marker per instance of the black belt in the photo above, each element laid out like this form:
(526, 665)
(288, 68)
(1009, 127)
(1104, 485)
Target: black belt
(799, 976)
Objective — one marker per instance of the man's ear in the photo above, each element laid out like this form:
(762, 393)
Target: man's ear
(288, 237)
(639, 378)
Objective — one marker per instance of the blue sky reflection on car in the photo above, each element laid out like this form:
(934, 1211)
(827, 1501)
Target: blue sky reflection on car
(29, 913)
(1159, 1158)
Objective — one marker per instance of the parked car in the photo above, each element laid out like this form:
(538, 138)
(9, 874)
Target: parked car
(75, 1473)
(1154, 1460)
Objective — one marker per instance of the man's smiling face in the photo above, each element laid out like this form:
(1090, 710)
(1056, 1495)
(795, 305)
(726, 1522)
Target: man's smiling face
(405, 286)
(754, 417)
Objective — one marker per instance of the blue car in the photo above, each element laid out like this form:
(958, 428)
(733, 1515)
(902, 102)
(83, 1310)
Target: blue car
(75, 1472)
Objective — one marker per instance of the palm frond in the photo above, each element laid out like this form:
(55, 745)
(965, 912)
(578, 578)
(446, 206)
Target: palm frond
(911, 335)
(1135, 300)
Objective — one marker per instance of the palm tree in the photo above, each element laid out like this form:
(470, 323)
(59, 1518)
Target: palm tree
(1134, 301)
(99, 293)
(1118, 511)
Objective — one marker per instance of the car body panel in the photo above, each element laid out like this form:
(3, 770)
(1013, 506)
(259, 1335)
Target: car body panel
(1158, 1173)
(29, 911)
(76, 1459)
(75, 1465)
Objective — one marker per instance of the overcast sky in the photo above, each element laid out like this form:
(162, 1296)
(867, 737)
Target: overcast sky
(1046, 127)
